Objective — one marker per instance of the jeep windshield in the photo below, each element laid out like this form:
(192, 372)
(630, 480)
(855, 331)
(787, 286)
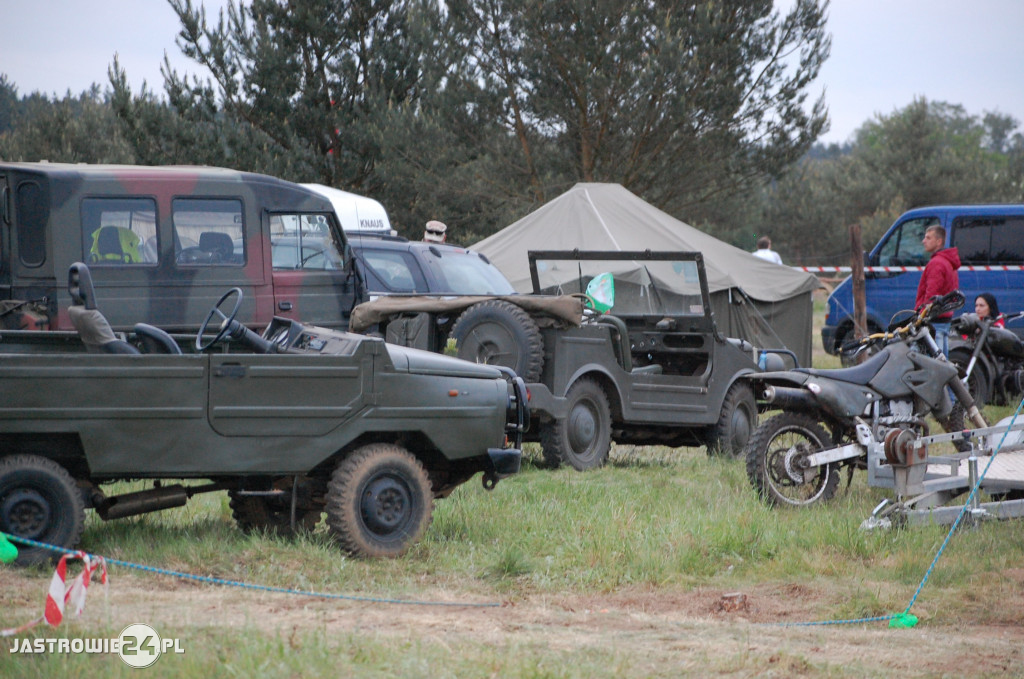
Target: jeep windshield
(626, 283)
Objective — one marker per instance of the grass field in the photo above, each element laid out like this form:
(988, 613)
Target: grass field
(663, 563)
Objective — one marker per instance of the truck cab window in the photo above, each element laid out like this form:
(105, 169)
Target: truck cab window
(208, 231)
(119, 231)
(303, 241)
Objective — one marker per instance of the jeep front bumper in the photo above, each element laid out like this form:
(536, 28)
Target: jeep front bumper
(504, 461)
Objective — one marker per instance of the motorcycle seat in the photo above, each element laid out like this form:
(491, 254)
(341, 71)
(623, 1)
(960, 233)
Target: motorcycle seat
(858, 374)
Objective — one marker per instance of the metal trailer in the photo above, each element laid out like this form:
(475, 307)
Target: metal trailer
(925, 484)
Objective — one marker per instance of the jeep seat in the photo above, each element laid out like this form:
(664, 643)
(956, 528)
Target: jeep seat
(92, 326)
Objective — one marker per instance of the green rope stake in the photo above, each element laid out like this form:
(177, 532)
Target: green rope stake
(903, 621)
(8, 552)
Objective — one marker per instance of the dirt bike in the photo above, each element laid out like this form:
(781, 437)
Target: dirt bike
(990, 359)
(866, 416)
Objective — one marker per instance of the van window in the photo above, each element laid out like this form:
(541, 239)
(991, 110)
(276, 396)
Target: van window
(31, 211)
(903, 247)
(208, 231)
(119, 231)
(301, 241)
(989, 240)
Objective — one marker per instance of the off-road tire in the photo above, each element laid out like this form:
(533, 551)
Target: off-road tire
(957, 421)
(379, 501)
(583, 439)
(977, 385)
(978, 382)
(497, 332)
(736, 423)
(254, 513)
(39, 500)
(766, 462)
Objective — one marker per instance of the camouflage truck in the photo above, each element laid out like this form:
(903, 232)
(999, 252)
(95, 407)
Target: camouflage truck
(164, 243)
(294, 423)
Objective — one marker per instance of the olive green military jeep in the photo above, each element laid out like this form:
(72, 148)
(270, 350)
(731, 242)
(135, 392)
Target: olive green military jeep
(649, 368)
(295, 423)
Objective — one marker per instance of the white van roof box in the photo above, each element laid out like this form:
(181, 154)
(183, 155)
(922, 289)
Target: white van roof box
(356, 213)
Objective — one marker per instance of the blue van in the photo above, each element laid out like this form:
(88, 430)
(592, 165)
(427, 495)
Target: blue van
(989, 238)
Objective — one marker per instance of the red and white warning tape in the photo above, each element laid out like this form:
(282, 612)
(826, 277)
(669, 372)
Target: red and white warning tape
(902, 269)
(61, 595)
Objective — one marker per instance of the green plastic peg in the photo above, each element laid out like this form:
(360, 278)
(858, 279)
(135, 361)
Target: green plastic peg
(903, 621)
(8, 552)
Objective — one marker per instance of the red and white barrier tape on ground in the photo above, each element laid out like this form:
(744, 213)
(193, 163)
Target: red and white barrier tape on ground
(61, 595)
(903, 269)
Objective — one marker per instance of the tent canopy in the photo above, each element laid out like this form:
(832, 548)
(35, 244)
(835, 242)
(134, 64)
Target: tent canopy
(609, 217)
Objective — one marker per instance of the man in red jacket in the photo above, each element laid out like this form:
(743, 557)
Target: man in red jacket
(938, 278)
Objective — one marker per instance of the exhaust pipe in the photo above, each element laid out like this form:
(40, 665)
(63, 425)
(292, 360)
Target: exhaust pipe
(145, 501)
(790, 397)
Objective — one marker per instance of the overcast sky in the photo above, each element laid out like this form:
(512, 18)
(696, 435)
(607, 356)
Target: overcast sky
(884, 52)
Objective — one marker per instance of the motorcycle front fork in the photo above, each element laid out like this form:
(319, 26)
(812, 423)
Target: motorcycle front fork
(957, 386)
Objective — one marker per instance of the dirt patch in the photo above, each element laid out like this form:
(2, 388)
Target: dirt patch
(661, 630)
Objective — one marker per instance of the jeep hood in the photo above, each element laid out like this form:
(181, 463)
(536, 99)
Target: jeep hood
(417, 361)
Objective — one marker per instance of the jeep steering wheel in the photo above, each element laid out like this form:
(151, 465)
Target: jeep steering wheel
(225, 325)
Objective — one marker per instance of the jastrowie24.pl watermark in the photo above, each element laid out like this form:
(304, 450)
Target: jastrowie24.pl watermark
(138, 645)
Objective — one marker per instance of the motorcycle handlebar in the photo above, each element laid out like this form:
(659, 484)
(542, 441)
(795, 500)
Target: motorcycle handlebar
(951, 301)
(969, 323)
(938, 306)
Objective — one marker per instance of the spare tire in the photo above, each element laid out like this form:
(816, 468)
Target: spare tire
(497, 332)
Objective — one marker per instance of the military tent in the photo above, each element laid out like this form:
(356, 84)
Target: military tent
(756, 300)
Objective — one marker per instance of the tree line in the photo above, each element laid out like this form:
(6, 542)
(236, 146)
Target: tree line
(476, 112)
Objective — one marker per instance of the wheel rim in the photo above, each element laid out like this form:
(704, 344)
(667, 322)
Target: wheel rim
(784, 476)
(25, 512)
(386, 505)
(581, 427)
(492, 344)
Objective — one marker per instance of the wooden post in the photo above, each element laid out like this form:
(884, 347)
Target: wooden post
(860, 313)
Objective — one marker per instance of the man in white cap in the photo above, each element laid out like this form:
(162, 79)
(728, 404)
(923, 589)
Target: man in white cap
(435, 232)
